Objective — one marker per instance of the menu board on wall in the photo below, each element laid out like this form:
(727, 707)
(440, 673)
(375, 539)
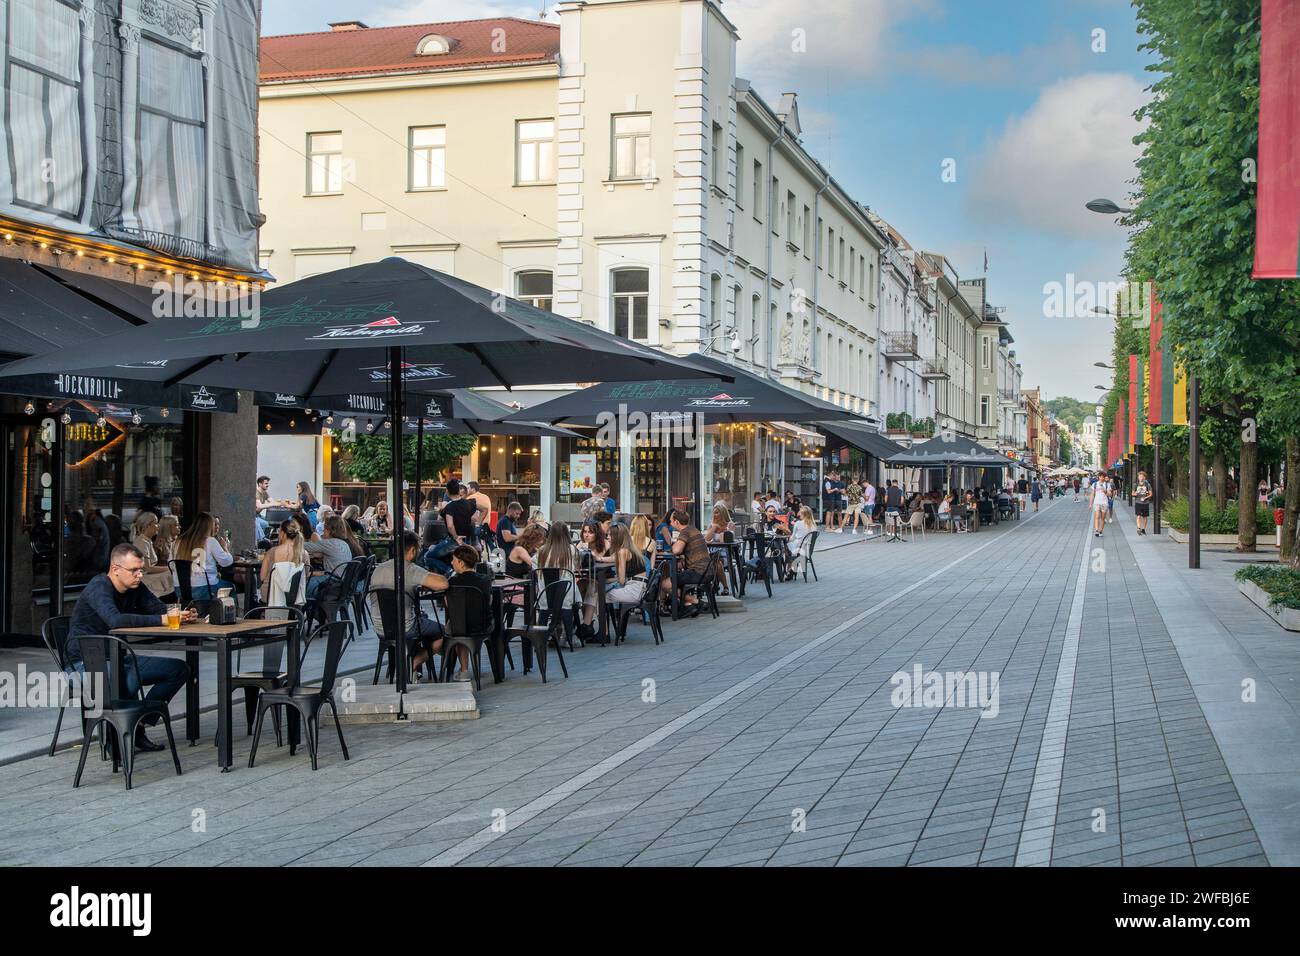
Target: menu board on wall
(582, 473)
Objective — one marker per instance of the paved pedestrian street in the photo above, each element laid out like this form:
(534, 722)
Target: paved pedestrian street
(777, 736)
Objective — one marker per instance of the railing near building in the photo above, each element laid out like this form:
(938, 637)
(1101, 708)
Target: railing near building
(900, 346)
(934, 369)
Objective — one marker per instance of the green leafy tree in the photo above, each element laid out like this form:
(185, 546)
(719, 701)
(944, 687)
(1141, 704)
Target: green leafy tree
(1195, 219)
(370, 457)
(1072, 411)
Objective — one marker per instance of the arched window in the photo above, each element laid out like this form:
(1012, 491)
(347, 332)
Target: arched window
(433, 45)
(631, 303)
(535, 287)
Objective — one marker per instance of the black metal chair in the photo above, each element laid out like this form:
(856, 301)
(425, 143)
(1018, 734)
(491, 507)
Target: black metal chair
(386, 599)
(648, 608)
(360, 607)
(757, 564)
(272, 676)
(308, 699)
(104, 685)
(554, 593)
(54, 632)
(805, 555)
(469, 624)
(706, 588)
(336, 595)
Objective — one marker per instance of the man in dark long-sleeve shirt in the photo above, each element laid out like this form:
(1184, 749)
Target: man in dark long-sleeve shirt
(116, 599)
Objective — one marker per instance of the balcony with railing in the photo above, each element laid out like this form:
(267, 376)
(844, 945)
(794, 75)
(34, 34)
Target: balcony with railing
(1009, 397)
(935, 369)
(900, 346)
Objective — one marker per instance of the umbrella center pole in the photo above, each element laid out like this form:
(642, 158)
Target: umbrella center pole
(396, 404)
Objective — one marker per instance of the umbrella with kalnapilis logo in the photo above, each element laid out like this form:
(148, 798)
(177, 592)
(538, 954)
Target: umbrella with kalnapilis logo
(332, 334)
(390, 325)
(750, 398)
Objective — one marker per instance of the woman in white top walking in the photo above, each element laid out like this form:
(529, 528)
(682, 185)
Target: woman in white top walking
(1100, 507)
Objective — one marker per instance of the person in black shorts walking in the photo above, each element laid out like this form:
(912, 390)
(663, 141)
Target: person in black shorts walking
(1142, 495)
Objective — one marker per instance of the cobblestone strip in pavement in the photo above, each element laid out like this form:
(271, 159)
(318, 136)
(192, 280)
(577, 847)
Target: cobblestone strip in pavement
(1039, 827)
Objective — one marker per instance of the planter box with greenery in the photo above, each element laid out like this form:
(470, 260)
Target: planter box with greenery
(1214, 521)
(1275, 589)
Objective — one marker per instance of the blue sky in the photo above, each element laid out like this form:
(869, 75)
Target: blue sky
(1036, 120)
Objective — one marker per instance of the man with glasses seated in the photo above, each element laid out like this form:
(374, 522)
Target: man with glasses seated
(116, 599)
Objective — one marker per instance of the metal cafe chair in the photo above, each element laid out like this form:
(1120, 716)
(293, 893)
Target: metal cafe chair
(272, 675)
(115, 710)
(469, 624)
(554, 593)
(309, 699)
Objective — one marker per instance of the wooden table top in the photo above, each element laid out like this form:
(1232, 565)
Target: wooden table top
(200, 629)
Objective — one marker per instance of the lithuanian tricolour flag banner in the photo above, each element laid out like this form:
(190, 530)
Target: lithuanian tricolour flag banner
(1136, 401)
(1277, 209)
(1167, 392)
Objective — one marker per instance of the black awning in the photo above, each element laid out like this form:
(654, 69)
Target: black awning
(863, 437)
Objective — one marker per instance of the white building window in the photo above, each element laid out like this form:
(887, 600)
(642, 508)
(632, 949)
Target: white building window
(631, 303)
(173, 142)
(631, 147)
(986, 353)
(755, 316)
(719, 176)
(44, 112)
(535, 287)
(985, 407)
(535, 151)
(324, 163)
(740, 176)
(715, 308)
(790, 217)
(428, 157)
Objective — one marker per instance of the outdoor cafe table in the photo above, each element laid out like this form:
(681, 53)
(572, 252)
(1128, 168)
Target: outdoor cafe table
(219, 639)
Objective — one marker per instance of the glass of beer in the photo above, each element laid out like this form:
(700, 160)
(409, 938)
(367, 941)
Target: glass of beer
(174, 617)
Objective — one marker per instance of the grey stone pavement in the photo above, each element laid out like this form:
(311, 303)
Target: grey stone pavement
(769, 737)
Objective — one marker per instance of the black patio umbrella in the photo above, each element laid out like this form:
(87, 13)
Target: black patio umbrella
(750, 398)
(388, 325)
(335, 334)
(950, 450)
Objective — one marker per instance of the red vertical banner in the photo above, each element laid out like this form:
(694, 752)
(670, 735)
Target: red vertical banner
(1277, 210)
(1134, 387)
(1155, 358)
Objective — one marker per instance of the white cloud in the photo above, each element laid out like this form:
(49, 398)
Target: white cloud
(814, 42)
(1073, 144)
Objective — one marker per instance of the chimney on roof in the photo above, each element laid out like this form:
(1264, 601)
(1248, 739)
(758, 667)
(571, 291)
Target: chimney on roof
(788, 113)
(344, 26)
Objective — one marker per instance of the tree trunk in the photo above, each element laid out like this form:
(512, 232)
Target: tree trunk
(1292, 498)
(1203, 476)
(1247, 478)
(1178, 486)
(1220, 479)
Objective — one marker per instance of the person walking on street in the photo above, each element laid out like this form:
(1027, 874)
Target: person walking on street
(1100, 503)
(1110, 500)
(1036, 492)
(1142, 501)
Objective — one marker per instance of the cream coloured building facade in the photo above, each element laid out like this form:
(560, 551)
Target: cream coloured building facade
(640, 187)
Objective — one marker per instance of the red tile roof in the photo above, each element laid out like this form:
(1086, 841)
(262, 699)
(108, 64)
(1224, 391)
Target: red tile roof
(377, 50)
